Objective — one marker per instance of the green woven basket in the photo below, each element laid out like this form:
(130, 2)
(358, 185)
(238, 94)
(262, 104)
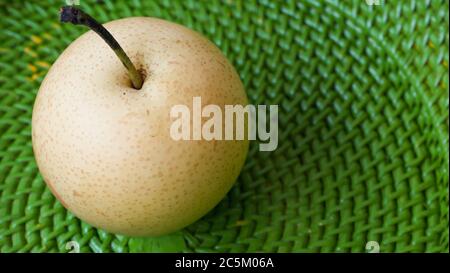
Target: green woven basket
(363, 151)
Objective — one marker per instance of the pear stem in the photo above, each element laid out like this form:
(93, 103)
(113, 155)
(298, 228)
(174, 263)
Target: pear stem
(78, 17)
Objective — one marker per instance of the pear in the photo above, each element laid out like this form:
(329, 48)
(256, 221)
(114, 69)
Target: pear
(103, 145)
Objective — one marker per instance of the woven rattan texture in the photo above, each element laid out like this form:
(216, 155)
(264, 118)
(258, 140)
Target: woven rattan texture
(363, 149)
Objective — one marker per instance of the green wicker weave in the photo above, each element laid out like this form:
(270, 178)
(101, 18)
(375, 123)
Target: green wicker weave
(363, 151)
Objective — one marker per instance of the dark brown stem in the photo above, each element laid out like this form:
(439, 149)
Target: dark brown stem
(78, 17)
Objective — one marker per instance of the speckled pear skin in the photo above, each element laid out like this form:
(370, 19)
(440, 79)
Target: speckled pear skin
(104, 149)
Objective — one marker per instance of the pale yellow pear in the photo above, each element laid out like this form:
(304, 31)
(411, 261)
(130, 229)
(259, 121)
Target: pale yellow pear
(104, 148)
